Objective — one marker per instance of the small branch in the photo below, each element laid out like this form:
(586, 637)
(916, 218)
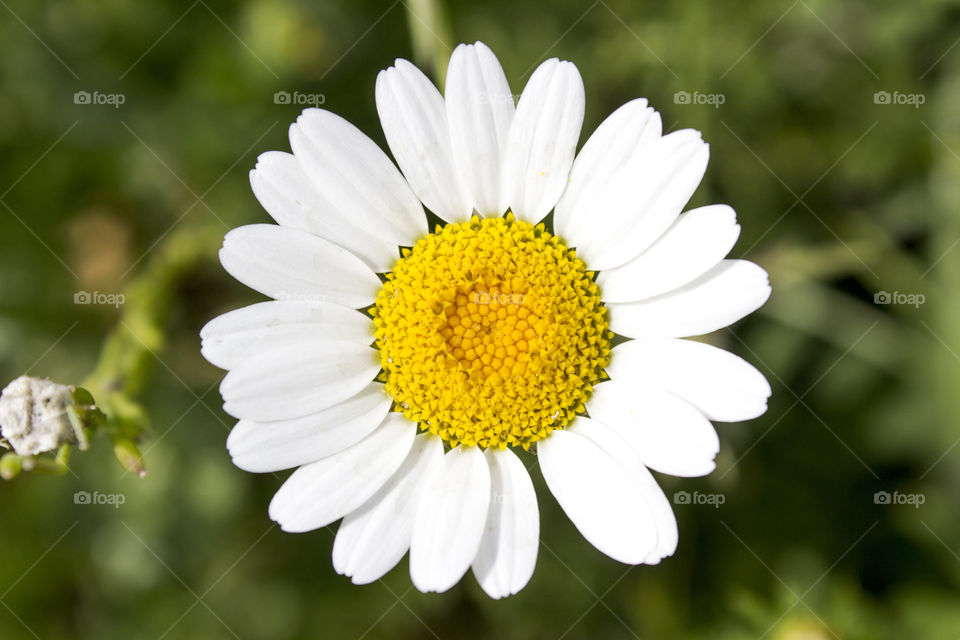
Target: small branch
(128, 353)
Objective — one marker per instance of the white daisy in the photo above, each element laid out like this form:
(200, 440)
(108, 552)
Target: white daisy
(400, 369)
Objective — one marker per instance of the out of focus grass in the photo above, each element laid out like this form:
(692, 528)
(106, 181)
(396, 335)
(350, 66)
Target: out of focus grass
(839, 197)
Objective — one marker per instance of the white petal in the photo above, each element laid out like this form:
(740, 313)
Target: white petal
(355, 177)
(450, 520)
(479, 110)
(322, 492)
(614, 143)
(508, 552)
(543, 139)
(720, 297)
(335, 212)
(414, 120)
(271, 446)
(599, 496)
(373, 539)
(292, 265)
(298, 379)
(642, 199)
(723, 386)
(669, 435)
(694, 244)
(652, 495)
(229, 339)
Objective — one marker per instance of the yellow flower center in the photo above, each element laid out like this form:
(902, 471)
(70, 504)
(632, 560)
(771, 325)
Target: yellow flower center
(491, 333)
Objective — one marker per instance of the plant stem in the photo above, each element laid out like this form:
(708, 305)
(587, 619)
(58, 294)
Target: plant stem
(432, 36)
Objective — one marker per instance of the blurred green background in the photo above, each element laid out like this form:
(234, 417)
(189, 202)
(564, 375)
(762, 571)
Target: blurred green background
(842, 195)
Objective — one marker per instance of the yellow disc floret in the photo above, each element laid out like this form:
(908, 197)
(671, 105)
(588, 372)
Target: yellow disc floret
(491, 333)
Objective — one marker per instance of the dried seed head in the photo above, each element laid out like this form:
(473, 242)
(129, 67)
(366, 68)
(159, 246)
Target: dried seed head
(36, 415)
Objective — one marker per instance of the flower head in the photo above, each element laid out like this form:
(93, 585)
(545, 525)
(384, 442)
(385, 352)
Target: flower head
(36, 415)
(403, 371)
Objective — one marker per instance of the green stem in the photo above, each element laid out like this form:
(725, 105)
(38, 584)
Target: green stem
(432, 36)
(131, 348)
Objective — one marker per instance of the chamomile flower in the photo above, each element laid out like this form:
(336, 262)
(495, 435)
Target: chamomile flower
(402, 370)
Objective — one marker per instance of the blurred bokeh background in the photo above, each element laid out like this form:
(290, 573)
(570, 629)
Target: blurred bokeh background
(835, 135)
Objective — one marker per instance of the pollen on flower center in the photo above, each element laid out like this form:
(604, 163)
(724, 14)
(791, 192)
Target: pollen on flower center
(491, 333)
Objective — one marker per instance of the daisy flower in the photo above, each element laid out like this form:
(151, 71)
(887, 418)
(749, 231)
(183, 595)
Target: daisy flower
(402, 370)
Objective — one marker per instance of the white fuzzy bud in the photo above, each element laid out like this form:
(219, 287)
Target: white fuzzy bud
(35, 415)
